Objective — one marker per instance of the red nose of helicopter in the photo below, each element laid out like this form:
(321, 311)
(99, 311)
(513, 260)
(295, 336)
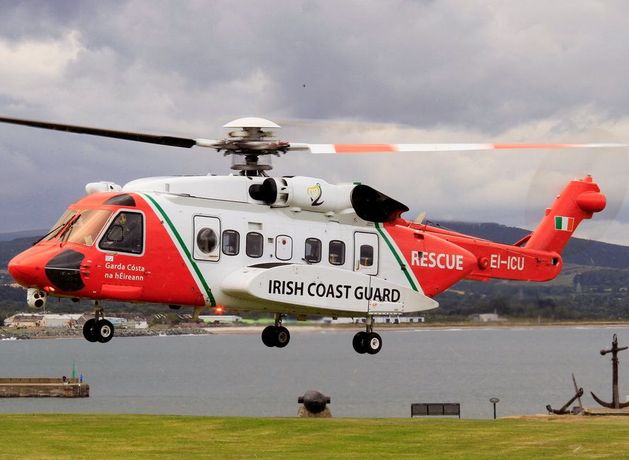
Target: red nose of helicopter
(48, 269)
(27, 270)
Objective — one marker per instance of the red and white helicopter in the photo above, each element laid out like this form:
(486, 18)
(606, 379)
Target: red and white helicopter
(287, 245)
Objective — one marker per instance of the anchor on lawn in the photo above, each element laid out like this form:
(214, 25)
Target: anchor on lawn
(615, 404)
(564, 409)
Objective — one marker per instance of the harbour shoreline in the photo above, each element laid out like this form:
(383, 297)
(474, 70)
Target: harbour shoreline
(65, 333)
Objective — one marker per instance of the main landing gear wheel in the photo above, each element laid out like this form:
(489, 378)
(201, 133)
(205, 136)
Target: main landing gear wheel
(373, 343)
(282, 338)
(368, 341)
(359, 342)
(268, 336)
(277, 335)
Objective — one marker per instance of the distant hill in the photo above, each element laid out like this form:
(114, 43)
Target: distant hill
(8, 249)
(578, 251)
(23, 234)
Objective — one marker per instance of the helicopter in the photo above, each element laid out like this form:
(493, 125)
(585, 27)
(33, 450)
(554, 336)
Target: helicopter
(291, 245)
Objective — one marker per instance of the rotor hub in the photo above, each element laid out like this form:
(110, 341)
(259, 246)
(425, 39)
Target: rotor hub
(250, 145)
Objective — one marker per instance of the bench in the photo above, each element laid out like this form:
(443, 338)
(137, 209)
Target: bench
(439, 409)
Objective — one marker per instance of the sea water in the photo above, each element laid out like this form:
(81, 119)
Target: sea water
(235, 374)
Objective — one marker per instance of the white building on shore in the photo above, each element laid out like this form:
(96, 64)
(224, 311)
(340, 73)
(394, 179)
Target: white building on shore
(384, 319)
(27, 320)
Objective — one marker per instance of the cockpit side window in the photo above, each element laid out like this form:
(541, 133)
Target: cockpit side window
(125, 234)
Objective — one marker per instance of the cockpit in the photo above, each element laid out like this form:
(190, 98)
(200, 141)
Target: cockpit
(124, 232)
(81, 227)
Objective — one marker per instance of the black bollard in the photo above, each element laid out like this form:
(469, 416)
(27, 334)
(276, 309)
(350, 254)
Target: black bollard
(314, 404)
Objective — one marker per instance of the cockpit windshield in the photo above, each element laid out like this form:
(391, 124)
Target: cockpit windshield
(85, 227)
(80, 227)
(59, 225)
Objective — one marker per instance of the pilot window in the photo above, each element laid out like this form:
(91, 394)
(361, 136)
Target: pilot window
(254, 244)
(336, 251)
(366, 255)
(313, 250)
(125, 234)
(231, 242)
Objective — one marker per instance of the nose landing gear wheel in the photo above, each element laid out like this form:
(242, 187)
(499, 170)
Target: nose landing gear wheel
(89, 330)
(98, 329)
(104, 330)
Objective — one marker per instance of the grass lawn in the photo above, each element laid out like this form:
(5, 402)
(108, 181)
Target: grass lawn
(138, 436)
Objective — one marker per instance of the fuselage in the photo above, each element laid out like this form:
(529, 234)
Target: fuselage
(294, 245)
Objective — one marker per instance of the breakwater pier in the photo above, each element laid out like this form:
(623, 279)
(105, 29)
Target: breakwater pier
(43, 387)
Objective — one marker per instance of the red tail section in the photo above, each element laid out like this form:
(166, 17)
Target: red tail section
(534, 258)
(579, 200)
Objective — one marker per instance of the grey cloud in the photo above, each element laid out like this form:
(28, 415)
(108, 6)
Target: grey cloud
(411, 71)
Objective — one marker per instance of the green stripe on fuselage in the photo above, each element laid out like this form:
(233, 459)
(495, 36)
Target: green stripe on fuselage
(184, 249)
(400, 260)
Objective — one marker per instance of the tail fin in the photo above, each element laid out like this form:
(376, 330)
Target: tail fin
(579, 200)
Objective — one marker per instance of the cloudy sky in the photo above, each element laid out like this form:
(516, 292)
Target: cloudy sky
(327, 71)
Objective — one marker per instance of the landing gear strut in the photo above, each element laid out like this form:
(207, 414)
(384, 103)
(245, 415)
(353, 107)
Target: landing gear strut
(98, 329)
(277, 335)
(369, 341)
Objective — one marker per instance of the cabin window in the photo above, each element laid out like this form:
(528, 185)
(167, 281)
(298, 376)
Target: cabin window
(313, 250)
(336, 252)
(254, 244)
(206, 243)
(366, 255)
(231, 242)
(283, 247)
(206, 240)
(125, 234)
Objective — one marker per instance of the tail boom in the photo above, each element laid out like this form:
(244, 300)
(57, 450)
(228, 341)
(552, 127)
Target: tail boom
(503, 261)
(537, 257)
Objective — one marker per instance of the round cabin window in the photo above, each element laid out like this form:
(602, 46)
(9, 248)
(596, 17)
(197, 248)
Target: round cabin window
(206, 240)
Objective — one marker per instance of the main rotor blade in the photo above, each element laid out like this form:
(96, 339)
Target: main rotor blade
(392, 148)
(126, 135)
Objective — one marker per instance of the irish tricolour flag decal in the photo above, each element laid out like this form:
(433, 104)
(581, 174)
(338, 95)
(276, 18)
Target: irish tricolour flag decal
(564, 223)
